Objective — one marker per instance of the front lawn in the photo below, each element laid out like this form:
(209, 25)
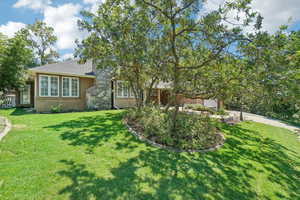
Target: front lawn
(92, 156)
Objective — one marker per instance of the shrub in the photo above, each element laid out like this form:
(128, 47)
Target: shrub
(56, 109)
(192, 131)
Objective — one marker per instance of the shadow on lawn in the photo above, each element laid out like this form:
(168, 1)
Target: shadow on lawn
(158, 174)
(19, 111)
(91, 131)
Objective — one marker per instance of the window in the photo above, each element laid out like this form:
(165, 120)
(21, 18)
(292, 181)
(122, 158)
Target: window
(123, 90)
(53, 86)
(44, 86)
(25, 95)
(75, 87)
(49, 86)
(66, 87)
(70, 87)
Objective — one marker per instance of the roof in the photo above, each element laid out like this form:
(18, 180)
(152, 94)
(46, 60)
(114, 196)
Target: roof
(67, 68)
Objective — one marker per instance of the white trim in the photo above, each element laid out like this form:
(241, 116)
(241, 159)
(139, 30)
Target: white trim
(70, 87)
(49, 86)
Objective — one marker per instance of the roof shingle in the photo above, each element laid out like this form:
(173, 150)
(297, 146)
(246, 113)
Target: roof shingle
(67, 67)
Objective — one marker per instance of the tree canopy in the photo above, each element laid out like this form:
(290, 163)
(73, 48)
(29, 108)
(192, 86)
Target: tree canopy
(41, 39)
(171, 41)
(15, 57)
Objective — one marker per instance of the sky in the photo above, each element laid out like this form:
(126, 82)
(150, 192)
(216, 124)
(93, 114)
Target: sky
(63, 15)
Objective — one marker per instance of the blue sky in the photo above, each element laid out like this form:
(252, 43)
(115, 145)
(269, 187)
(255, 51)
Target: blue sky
(63, 16)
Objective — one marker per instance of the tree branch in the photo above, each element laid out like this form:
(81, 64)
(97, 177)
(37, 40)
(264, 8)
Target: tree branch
(157, 8)
(183, 8)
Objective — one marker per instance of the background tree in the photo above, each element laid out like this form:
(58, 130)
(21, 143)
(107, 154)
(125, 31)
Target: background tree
(15, 57)
(274, 57)
(41, 39)
(3, 43)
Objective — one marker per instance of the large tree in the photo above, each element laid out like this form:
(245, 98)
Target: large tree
(15, 57)
(41, 39)
(195, 39)
(175, 39)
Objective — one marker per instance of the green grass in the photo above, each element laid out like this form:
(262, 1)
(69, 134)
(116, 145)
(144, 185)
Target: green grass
(92, 156)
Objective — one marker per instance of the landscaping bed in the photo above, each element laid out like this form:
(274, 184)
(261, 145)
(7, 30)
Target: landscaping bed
(192, 132)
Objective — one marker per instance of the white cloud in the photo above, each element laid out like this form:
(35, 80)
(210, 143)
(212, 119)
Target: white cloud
(91, 1)
(67, 56)
(275, 12)
(64, 21)
(33, 4)
(11, 28)
(212, 5)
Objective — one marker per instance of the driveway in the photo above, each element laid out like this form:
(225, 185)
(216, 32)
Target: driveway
(266, 120)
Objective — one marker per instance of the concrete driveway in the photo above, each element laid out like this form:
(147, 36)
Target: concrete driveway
(266, 120)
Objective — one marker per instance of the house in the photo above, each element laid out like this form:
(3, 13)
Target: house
(77, 87)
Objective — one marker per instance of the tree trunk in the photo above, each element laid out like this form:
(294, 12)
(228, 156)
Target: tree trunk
(149, 90)
(220, 104)
(241, 116)
(176, 76)
(241, 112)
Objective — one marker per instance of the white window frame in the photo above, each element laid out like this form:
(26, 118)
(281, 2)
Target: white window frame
(70, 87)
(130, 93)
(49, 86)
